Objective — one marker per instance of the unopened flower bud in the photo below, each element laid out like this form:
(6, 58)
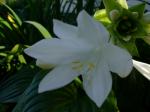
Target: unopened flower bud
(114, 15)
(135, 14)
(127, 38)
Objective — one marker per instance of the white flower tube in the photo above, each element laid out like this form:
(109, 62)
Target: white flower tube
(143, 68)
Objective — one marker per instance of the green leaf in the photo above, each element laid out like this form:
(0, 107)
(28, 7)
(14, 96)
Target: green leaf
(5, 23)
(41, 28)
(71, 98)
(15, 49)
(131, 47)
(133, 93)
(21, 59)
(11, 87)
(2, 108)
(123, 3)
(2, 47)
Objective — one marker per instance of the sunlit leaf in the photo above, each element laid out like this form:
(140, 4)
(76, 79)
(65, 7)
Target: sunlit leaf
(21, 59)
(41, 28)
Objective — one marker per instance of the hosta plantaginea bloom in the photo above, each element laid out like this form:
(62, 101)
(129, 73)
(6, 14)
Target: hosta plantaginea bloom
(84, 50)
(143, 68)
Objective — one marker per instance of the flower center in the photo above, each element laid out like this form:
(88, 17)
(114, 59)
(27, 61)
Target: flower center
(126, 26)
(82, 67)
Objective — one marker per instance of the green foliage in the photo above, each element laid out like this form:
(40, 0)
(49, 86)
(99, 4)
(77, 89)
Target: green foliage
(24, 22)
(18, 20)
(41, 29)
(138, 8)
(11, 87)
(133, 93)
(14, 38)
(67, 99)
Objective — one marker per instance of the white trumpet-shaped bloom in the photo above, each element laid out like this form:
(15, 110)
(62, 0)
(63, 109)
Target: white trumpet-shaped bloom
(143, 68)
(84, 50)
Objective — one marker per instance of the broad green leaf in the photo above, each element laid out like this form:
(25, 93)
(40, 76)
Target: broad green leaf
(13, 86)
(71, 98)
(110, 105)
(133, 93)
(2, 108)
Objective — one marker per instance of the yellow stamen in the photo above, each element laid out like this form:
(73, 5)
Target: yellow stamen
(78, 67)
(91, 66)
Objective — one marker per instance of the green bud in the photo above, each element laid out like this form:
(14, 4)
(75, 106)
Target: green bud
(127, 38)
(114, 15)
(135, 14)
(111, 5)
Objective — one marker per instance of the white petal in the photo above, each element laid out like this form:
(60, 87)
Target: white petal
(92, 31)
(64, 31)
(97, 83)
(143, 68)
(57, 78)
(119, 60)
(43, 64)
(57, 51)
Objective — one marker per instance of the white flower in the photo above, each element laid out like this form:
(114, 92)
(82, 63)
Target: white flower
(143, 68)
(82, 50)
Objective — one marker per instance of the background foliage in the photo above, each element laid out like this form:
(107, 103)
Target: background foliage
(24, 22)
